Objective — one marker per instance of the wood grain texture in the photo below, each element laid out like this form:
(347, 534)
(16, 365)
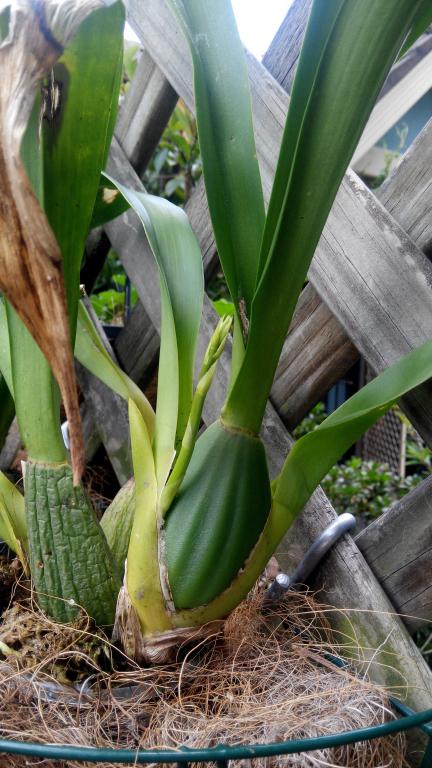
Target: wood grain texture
(145, 112)
(316, 354)
(283, 53)
(407, 193)
(353, 268)
(398, 548)
(317, 342)
(137, 346)
(91, 436)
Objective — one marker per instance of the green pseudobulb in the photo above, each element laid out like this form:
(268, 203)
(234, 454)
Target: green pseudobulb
(217, 516)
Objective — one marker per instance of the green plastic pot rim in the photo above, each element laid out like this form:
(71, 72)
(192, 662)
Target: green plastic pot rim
(220, 753)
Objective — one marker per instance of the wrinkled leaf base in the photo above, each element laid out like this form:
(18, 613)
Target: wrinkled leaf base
(160, 647)
(71, 564)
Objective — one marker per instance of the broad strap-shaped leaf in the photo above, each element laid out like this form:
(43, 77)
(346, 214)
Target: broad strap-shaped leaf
(179, 260)
(117, 521)
(90, 352)
(348, 49)
(13, 526)
(224, 120)
(7, 405)
(143, 576)
(30, 272)
(51, 156)
(37, 396)
(81, 99)
(5, 356)
(315, 453)
(421, 21)
(108, 205)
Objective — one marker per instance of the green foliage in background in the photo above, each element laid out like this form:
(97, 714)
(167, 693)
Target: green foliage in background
(368, 488)
(176, 164)
(365, 488)
(109, 295)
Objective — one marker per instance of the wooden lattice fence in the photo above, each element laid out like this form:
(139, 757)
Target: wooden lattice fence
(369, 294)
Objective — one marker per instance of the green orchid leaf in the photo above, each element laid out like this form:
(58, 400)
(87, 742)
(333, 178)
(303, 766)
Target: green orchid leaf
(348, 50)
(13, 526)
(143, 575)
(224, 307)
(315, 453)
(224, 120)
(179, 260)
(117, 522)
(421, 21)
(76, 135)
(108, 205)
(64, 153)
(37, 397)
(91, 353)
(5, 355)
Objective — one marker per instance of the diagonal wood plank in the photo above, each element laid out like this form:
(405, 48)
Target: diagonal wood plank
(353, 268)
(317, 351)
(284, 50)
(398, 548)
(145, 112)
(407, 195)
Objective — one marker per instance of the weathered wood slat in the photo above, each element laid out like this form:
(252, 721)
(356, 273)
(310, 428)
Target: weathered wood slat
(353, 268)
(145, 112)
(137, 346)
(398, 548)
(362, 285)
(284, 50)
(407, 192)
(361, 591)
(110, 422)
(13, 441)
(330, 352)
(316, 354)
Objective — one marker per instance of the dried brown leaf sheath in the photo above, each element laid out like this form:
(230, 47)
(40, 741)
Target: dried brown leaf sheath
(30, 260)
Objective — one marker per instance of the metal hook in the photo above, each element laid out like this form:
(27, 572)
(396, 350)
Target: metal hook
(312, 558)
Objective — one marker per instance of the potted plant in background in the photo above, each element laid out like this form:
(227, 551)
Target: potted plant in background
(202, 520)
